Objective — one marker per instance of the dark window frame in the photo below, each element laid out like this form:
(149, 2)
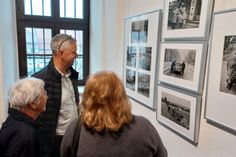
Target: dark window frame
(55, 23)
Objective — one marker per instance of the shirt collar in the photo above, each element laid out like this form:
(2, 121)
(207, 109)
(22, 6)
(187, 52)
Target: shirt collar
(65, 75)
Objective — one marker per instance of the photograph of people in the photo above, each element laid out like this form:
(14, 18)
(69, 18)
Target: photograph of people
(180, 63)
(228, 70)
(184, 14)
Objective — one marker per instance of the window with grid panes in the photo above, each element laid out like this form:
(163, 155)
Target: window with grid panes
(39, 20)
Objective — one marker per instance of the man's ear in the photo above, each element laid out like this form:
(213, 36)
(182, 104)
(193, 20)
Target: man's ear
(33, 105)
(58, 53)
(61, 52)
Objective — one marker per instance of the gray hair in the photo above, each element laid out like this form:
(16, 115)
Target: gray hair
(61, 41)
(25, 91)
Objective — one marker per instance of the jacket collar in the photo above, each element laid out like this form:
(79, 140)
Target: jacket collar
(51, 66)
(19, 116)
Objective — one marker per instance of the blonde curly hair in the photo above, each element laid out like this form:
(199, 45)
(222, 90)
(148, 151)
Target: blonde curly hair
(105, 104)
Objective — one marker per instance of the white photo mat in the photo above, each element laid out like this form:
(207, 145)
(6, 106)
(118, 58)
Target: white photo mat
(137, 45)
(220, 99)
(202, 18)
(192, 79)
(173, 117)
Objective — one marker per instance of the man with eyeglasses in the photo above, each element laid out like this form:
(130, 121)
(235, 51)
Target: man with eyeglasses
(61, 82)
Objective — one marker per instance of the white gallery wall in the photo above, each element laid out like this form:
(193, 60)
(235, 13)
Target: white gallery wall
(106, 53)
(213, 142)
(8, 53)
(106, 35)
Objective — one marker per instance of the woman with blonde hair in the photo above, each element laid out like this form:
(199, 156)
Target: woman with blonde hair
(108, 127)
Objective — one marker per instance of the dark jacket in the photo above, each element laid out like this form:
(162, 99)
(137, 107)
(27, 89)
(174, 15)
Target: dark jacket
(48, 119)
(18, 136)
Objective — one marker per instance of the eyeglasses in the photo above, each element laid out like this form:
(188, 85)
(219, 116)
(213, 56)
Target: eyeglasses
(59, 47)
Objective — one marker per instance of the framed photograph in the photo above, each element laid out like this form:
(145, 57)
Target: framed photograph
(221, 89)
(140, 56)
(187, 18)
(182, 65)
(180, 112)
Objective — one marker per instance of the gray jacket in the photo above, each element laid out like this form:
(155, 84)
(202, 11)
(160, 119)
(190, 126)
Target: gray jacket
(138, 139)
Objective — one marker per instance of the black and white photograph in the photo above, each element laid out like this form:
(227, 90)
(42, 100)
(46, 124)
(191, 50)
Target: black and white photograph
(222, 72)
(130, 79)
(184, 14)
(131, 56)
(145, 58)
(182, 65)
(179, 111)
(228, 68)
(186, 19)
(175, 109)
(143, 84)
(140, 56)
(139, 31)
(179, 63)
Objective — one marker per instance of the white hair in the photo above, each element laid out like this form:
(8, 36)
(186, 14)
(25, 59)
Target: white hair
(61, 41)
(25, 91)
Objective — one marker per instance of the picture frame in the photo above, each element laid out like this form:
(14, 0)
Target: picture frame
(140, 56)
(182, 64)
(180, 112)
(221, 86)
(187, 19)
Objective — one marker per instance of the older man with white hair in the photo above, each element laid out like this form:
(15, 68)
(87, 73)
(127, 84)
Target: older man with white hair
(18, 136)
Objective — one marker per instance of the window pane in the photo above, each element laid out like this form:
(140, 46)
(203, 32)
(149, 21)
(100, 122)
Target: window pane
(47, 7)
(62, 8)
(30, 66)
(38, 7)
(79, 39)
(47, 40)
(79, 9)
(71, 8)
(29, 40)
(39, 63)
(27, 7)
(78, 66)
(38, 40)
(36, 63)
(70, 32)
(37, 48)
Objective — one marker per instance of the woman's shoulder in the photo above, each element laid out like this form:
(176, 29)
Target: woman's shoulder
(142, 121)
(140, 118)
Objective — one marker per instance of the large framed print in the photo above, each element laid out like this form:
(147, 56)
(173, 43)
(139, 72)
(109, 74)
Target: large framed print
(140, 55)
(221, 89)
(186, 18)
(182, 65)
(180, 112)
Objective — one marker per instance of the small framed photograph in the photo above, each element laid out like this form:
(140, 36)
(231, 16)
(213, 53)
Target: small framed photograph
(180, 112)
(186, 18)
(221, 87)
(140, 55)
(182, 65)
